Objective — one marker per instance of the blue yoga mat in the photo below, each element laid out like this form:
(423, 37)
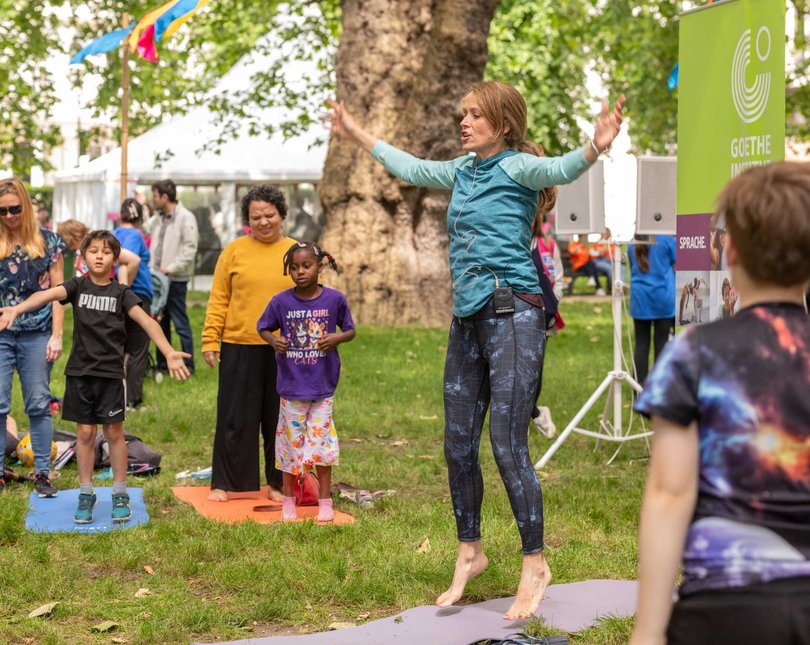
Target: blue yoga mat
(55, 514)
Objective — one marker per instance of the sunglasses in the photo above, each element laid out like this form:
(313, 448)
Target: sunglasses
(5, 211)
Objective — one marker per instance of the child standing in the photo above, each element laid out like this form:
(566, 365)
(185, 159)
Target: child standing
(308, 317)
(94, 385)
(728, 493)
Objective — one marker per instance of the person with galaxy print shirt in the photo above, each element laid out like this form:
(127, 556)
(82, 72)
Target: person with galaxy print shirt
(729, 484)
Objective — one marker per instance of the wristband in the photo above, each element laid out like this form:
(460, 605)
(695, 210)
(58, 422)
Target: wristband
(595, 149)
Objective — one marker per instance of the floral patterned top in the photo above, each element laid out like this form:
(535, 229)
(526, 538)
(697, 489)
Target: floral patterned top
(21, 276)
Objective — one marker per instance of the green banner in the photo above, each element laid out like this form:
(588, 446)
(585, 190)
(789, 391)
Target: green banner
(731, 96)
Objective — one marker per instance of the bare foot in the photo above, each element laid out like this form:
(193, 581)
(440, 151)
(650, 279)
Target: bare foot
(217, 495)
(470, 562)
(534, 579)
(274, 494)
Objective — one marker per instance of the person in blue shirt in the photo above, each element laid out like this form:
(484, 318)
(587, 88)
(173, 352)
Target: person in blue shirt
(652, 297)
(137, 345)
(497, 335)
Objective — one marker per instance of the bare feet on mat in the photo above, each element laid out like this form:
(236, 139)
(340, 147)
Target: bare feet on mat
(217, 495)
(534, 579)
(470, 562)
(274, 494)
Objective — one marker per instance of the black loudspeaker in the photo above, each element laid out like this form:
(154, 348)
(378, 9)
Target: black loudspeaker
(656, 195)
(581, 204)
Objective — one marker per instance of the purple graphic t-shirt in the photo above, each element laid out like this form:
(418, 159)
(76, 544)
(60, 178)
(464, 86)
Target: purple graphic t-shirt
(745, 381)
(305, 372)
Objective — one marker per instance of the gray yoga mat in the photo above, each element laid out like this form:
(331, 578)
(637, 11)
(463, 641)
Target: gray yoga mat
(570, 607)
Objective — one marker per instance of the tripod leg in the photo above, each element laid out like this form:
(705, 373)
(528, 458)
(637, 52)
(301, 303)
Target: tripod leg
(577, 418)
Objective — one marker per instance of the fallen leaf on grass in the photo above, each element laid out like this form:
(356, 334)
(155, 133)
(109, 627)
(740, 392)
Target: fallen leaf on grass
(119, 639)
(424, 546)
(106, 626)
(400, 442)
(383, 436)
(364, 615)
(149, 570)
(594, 339)
(308, 607)
(44, 610)
(597, 310)
(142, 592)
(340, 625)
(425, 417)
(356, 440)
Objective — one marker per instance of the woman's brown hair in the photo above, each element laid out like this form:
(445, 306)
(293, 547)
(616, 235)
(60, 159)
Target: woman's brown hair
(505, 109)
(30, 238)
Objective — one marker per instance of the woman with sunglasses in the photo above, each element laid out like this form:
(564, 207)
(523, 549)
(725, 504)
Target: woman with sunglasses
(31, 260)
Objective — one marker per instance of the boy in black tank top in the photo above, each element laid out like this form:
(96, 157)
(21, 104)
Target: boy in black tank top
(94, 384)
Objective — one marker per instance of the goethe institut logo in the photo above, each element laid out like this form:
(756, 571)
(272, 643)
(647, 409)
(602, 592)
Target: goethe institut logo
(751, 101)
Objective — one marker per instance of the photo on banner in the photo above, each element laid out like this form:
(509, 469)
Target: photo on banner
(731, 116)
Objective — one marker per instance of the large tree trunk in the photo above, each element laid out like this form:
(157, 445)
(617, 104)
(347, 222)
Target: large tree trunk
(402, 69)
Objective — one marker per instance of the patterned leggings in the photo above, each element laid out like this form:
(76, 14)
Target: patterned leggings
(494, 361)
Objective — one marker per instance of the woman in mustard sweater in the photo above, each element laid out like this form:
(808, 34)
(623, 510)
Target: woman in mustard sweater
(249, 272)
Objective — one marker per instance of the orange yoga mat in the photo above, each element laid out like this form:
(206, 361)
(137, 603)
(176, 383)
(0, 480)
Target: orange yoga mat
(248, 506)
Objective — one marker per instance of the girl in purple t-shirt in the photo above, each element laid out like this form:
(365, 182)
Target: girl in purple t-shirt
(307, 317)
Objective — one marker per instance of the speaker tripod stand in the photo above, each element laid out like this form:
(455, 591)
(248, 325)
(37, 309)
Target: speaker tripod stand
(609, 430)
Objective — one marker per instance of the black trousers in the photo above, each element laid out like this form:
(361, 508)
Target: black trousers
(247, 404)
(137, 348)
(661, 330)
(775, 613)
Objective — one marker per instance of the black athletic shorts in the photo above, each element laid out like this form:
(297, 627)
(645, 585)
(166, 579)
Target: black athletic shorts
(773, 613)
(94, 399)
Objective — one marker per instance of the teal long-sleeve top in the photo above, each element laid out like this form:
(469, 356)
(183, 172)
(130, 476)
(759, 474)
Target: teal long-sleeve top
(490, 216)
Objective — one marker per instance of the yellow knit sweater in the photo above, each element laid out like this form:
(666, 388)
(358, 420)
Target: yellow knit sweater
(247, 275)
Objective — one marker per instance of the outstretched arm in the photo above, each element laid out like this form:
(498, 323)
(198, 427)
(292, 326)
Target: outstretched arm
(344, 125)
(174, 359)
(669, 501)
(606, 129)
(9, 314)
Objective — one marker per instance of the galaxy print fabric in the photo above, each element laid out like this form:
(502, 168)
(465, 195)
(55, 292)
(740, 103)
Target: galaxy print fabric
(746, 381)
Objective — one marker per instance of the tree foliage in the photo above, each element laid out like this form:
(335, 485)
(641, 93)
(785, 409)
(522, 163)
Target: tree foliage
(541, 47)
(28, 35)
(544, 48)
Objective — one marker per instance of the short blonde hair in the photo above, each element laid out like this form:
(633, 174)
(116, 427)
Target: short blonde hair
(767, 213)
(73, 232)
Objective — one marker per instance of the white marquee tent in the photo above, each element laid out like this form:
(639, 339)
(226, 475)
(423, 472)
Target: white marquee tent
(90, 192)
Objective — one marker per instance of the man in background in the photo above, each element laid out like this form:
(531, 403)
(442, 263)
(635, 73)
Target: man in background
(174, 247)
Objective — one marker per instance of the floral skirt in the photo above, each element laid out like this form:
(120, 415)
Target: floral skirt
(305, 435)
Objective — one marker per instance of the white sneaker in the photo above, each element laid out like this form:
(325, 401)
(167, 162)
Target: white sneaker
(545, 426)
(600, 291)
(591, 282)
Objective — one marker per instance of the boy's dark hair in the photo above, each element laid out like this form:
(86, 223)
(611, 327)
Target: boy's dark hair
(767, 214)
(166, 187)
(103, 236)
(317, 251)
(264, 193)
(131, 211)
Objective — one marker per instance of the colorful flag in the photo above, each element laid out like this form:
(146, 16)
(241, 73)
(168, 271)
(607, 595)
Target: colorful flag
(102, 44)
(146, 45)
(147, 21)
(672, 81)
(174, 18)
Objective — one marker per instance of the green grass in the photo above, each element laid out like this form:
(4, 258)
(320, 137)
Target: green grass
(220, 582)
